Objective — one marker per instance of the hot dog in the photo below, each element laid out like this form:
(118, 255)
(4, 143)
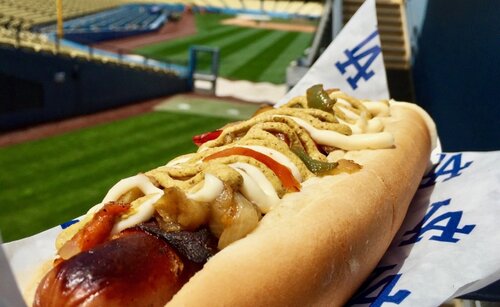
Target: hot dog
(302, 202)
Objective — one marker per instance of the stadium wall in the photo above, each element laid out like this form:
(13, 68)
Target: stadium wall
(37, 87)
(456, 70)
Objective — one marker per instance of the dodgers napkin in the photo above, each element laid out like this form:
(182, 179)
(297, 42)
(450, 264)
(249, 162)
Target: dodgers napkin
(448, 244)
(352, 62)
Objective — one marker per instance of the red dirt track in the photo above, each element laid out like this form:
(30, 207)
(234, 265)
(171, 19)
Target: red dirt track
(75, 123)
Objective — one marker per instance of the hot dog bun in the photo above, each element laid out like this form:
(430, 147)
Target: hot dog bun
(288, 233)
(318, 246)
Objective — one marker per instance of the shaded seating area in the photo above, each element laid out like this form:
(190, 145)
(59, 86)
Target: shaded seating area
(126, 20)
(28, 13)
(278, 9)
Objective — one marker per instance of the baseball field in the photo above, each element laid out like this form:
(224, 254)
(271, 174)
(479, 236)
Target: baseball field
(54, 179)
(258, 53)
(49, 181)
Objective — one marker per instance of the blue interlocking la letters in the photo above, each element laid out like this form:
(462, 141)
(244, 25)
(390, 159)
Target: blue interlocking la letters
(370, 293)
(355, 57)
(449, 165)
(448, 231)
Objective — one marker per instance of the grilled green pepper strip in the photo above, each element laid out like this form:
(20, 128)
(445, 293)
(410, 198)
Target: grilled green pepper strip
(317, 98)
(319, 168)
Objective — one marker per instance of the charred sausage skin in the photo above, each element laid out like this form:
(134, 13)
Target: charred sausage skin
(135, 269)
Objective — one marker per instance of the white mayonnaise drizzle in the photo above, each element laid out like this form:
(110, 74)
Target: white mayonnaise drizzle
(179, 160)
(212, 187)
(139, 181)
(347, 142)
(363, 124)
(142, 207)
(278, 157)
(256, 187)
(377, 108)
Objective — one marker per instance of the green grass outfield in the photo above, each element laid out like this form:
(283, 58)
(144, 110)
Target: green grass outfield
(256, 55)
(46, 182)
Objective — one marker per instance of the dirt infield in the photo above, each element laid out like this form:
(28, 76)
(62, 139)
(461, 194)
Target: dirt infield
(242, 22)
(172, 29)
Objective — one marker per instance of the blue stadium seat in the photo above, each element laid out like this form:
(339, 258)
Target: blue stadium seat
(119, 22)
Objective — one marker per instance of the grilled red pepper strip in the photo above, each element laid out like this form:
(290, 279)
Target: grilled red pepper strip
(205, 137)
(283, 173)
(95, 231)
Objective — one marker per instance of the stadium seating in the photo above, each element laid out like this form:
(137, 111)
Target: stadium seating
(216, 3)
(119, 22)
(27, 13)
(41, 43)
(274, 8)
(19, 40)
(19, 19)
(235, 4)
(252, 5)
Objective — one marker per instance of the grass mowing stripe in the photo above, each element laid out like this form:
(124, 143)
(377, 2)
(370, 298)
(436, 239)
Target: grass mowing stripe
(94, 164)
(17, 155)
(129, 164)
(275, 69)
(261, 60)
(209, 25)
(65, 206)
(206, 26)
(242, 40)
(208, 22)
(235, 47)
(232, 44)
(87, 152)
(229, 45)
(181, 46)
(265, 43)
(90, 156)
(10, 167)
(68, 201)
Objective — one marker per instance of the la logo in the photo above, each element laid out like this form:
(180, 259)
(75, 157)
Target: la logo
(360, 58)
(371, 293)
(449, 165)
(446, 223)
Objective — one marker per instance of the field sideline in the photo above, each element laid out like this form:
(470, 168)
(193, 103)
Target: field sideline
(257, 55)
(53, 180)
